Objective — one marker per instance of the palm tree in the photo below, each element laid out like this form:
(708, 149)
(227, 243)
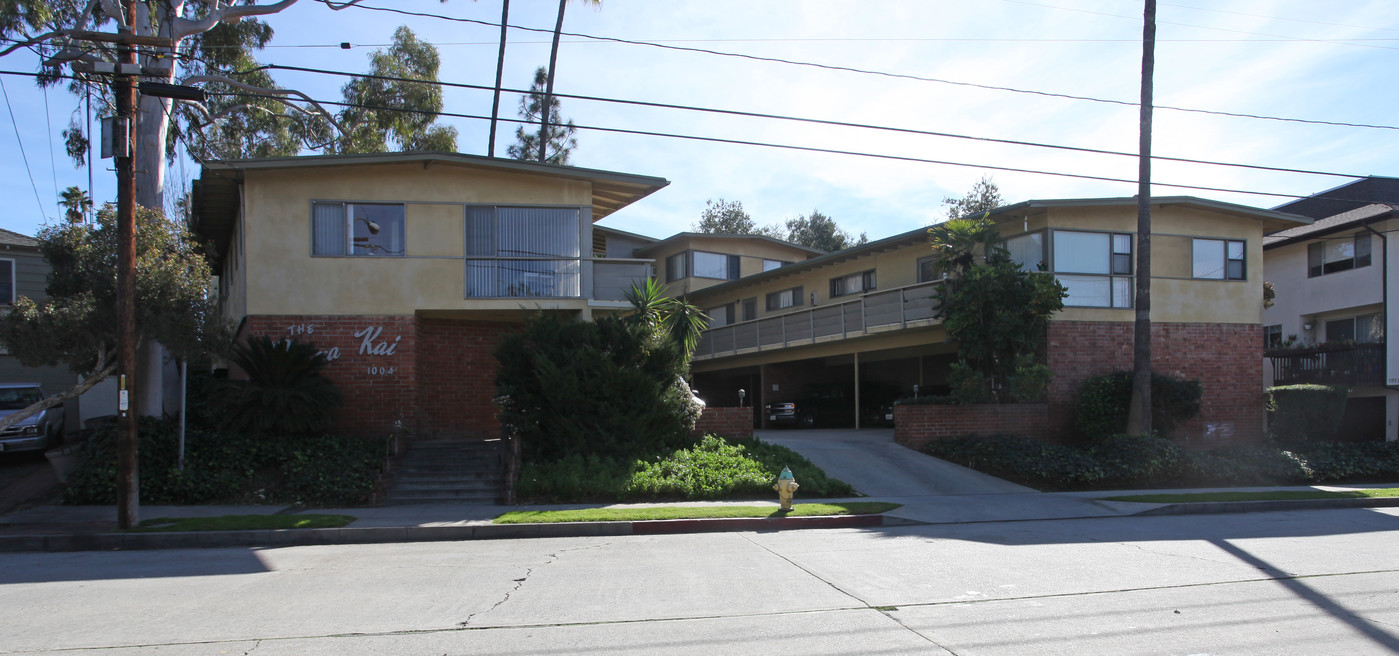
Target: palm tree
(76, 203)
(675, 318)
(959, 242)
(549, 86)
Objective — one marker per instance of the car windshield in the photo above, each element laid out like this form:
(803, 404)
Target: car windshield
(18, 398)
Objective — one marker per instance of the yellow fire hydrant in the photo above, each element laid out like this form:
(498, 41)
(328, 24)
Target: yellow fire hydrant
(786, 487)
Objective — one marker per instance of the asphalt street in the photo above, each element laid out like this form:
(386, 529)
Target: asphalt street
(1303, 582)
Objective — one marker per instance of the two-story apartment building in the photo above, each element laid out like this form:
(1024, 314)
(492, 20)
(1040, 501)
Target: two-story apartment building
(406, 269)
(1333, 290)
(865, 317)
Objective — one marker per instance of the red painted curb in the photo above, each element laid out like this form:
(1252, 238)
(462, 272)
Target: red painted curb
(672, 526)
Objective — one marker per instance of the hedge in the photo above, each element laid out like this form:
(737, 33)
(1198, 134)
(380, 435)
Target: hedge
(1301, 413)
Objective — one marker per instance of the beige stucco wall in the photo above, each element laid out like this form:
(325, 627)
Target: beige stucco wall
(283, 278)
(1176, 296)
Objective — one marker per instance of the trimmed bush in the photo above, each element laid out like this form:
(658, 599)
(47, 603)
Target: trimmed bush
(1301, 413)
(1103, 403)
(1245, 466)
(606, 387)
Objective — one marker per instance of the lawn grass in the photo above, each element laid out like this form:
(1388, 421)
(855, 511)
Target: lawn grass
(691, 512)
(241, 523)
(1278, 495)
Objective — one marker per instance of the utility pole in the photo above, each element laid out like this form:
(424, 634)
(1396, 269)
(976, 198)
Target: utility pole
(1139, 410)
(128, 476)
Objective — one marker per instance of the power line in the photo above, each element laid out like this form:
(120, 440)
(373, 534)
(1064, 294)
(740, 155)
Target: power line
(1343, 42)
(812, 149)
(905, 76)
(797, 119)
(23, 154)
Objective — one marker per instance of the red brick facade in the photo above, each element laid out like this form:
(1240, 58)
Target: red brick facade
(725, 422)
(456, 377)
(436, 376)
(916, 425)
(1227, 359)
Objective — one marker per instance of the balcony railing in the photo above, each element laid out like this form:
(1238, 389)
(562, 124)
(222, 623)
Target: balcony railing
(1352, 365)
(893, 309)
(553, 278)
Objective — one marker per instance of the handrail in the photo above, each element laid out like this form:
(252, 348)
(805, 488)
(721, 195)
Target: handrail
(857, 316)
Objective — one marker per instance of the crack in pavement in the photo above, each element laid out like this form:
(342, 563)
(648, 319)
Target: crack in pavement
(549, 559)
(253, 648)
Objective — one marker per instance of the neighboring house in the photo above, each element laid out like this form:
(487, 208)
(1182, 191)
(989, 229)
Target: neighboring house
(407, 269)
(1329, 319)
(23, 272)
(863, 318)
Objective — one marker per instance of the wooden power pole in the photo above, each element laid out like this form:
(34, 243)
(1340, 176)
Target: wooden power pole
(128, 477)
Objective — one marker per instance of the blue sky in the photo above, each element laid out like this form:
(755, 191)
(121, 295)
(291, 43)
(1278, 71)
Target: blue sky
(1297, 59)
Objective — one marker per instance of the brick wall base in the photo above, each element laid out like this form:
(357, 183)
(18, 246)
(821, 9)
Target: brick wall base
(725, 422)
(1227, 359)
(434, 376)
(916, 425)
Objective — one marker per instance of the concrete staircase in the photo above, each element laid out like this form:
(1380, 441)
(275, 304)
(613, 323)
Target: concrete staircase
(447, 471)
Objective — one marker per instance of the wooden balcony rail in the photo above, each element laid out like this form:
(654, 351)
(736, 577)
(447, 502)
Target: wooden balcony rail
(875, 312)
(1352, 365)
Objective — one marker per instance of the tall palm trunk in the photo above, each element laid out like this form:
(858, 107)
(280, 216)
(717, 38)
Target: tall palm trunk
(549, 88)
(499, 71)
(1139, 412)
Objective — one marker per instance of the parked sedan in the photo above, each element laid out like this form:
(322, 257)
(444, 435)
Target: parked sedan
(35, 433)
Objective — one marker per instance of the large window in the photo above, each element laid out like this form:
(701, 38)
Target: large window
(7, 282)
(1094, 267)
(1218, 259)
(1272, 336)
(784, 299)
(1365, 328)
(926, 271)
(701, 264)
(854, 283)
(769, 265)
(720, 315)
(1335, 255)
(369, 229)
(522, 252)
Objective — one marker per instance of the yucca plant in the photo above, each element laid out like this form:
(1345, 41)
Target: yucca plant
(285, 391)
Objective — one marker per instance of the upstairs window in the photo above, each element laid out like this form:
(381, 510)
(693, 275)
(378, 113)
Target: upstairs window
(769, 265)
(720, 315)
(1365, 328)
(675, 268)
(1336, 255)
(1095, 268)
(854, 283)
(522, 252)
(365, 229)
(1272, 336)
(926, 271)
(784, 299)
(7, 282)
(1218, 259)
(750, 308)
(1028, 250)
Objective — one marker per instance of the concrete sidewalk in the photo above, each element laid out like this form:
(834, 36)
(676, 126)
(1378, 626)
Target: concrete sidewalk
(89, 528)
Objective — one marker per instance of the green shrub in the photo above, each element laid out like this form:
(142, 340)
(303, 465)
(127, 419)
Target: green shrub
(1023, 460)
(1300, 413)
(1103, 403)
(1137, 460)
(230, 468)
(968, 385)
(1030, 381)
(1353, 462)
(715, 468)
(1251, 465)
(285, 392)
(605, 387)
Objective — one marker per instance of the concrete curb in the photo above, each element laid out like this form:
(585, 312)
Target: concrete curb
(1228, 507)
(395, 534)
